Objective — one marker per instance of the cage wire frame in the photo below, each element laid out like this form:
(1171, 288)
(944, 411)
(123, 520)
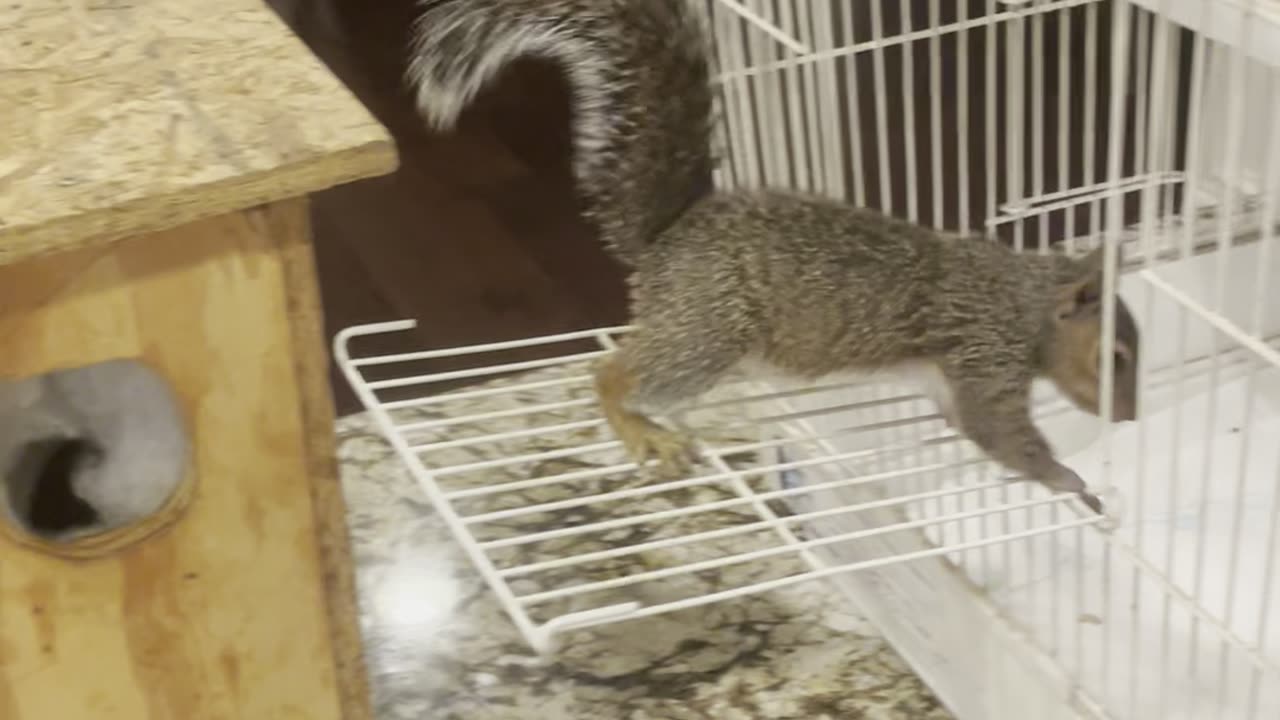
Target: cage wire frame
(860, 482)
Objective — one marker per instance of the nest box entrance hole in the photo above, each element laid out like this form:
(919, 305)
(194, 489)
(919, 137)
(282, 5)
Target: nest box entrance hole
(89, 450)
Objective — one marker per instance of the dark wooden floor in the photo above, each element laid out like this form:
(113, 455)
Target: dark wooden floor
(477, 235)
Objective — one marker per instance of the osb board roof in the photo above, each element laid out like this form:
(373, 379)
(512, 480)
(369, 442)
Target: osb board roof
(119, 117)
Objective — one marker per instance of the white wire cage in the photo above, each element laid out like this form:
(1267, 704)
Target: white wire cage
(1145, 125)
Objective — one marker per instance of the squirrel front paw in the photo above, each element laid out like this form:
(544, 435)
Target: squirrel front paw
(1093, 502)
(1064, 479)
(644, 438)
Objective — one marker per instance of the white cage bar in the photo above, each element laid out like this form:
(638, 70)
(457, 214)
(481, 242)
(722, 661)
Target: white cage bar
(1148, 126)
(476, 497)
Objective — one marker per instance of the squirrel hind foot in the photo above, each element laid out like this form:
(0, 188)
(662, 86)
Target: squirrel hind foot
(644, 439)
(641, 437)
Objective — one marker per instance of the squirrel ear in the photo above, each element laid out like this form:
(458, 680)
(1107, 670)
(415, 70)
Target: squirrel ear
(1082, 294)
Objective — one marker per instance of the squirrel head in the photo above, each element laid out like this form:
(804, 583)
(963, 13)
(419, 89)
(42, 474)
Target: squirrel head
(1074, 359)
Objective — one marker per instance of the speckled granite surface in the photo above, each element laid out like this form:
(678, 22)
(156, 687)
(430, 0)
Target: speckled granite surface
(440, 647)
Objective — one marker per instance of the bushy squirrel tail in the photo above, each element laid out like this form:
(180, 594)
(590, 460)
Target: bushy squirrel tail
(639, 74)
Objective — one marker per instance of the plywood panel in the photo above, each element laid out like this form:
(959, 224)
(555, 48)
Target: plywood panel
(310, 356)
(129, 117)
(224, 614)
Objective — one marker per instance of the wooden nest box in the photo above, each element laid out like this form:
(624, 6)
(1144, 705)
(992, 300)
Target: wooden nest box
(172, 535)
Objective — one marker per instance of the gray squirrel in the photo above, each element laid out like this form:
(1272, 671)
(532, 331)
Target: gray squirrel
(805, 285)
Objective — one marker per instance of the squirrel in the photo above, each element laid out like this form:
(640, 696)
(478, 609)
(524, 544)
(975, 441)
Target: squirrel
(807, 285)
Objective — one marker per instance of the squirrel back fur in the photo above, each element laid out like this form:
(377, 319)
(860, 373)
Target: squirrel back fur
(639, 74)
(815, 287)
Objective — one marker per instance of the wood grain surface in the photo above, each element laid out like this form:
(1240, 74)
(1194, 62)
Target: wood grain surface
(226, 613)
(289, 224)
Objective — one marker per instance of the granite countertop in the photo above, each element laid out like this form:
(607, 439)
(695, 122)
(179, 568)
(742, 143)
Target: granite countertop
(440, 647)
(127, 116)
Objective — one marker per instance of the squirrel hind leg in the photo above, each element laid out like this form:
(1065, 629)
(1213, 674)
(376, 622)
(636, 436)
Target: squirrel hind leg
(642, 380)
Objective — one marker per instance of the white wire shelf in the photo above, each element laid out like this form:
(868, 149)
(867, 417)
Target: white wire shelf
(569, 534)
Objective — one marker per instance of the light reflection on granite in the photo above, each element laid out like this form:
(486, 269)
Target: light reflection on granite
(441, 648)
